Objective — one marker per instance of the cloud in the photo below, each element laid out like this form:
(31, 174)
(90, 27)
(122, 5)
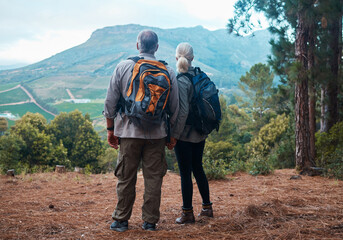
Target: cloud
(41, 46)
(33, 30)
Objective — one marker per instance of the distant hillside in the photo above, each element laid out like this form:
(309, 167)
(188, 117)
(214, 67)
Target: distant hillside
(85, 69)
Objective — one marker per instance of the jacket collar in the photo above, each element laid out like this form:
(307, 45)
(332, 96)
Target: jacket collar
(147, 56)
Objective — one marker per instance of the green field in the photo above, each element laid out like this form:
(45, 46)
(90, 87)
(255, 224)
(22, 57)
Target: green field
(93, 109)
(7, 86)
(89, 93)
(24, 108)
(15, 95)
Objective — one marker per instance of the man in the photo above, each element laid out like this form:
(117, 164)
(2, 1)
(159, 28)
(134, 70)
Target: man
(138, 144)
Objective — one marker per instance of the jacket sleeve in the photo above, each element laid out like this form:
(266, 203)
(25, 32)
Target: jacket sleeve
(184, 103)
(113, 94)
(173, 97)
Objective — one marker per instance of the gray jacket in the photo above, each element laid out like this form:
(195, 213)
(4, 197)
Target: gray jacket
(181, 131)
(122, 126)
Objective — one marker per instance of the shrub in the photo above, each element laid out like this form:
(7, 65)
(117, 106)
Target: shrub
(268, 135)
(330, 151)
(108, 160)
(283, 153)
(259, 166)
(10, 152)
(216, 158)
(236, 166)
(215, 168)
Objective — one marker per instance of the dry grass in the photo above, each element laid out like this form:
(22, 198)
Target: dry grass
(75, 206)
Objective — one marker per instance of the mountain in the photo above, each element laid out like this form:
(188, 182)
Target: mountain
(86, 69)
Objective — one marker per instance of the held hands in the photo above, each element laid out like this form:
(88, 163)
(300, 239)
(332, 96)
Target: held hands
(172, 143)
(112, 140)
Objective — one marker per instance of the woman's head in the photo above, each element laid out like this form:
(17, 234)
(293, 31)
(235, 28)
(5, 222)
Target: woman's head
(184, 56)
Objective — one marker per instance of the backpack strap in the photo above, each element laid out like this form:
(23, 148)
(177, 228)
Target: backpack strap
(135, 59)
(197, 70)
(188, 75)
(164, 62)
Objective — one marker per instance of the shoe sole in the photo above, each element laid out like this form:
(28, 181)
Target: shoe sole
(119, 229)
(187, 222)
(149, 229)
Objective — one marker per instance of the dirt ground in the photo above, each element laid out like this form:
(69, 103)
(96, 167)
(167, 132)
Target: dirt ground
(77, 206)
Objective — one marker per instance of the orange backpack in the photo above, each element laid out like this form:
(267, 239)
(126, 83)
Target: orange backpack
(147, 92)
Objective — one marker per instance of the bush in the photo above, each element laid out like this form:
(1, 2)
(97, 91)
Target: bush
(283, 153)
(236, 166)
(107, 162)
(268, 135)
(10, 152)
(330, 151)
(216, 158)
(215, 168)
(259, 166)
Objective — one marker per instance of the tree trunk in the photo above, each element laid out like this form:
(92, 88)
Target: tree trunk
(10, 172)
(340, 104)
(60, 169)
(302, 137)
(334, 64)
(324, 126)
(312, 93)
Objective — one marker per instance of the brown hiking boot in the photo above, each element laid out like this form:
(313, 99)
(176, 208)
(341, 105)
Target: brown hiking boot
(187, 216)
(206, 211)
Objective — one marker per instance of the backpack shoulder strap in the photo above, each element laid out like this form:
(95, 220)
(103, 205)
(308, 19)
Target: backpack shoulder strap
(164, 62)
(135, 59)
(188, 75)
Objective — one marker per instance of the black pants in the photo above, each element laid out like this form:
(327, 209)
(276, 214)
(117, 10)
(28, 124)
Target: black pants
(189, 158)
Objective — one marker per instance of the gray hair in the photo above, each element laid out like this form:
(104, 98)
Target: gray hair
(184, 54)
(147, 41)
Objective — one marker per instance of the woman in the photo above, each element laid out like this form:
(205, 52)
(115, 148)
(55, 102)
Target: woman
(190, 144)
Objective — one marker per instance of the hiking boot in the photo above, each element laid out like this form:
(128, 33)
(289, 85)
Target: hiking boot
(206, 211)
(120, 226)
(149, 226)
(187, 216)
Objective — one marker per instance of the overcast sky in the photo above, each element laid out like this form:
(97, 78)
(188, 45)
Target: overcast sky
(32, 30)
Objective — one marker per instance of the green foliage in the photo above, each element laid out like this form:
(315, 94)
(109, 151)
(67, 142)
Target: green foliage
(3, 125)
(257, 85)
(108, 160)
(219, 150)
(259, 166)
(268, 136)
(36, 120)
(89, 169)
(171, 160)
(226, 128)
(87, 147)
(329, 151)
(215, 159)
(34, 145)
(236, 166)
(283, 153)
(78, 136)
(38, 148)
(215, 168)
(10, 152)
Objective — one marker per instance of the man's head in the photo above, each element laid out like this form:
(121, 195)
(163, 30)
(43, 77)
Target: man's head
(147, 42)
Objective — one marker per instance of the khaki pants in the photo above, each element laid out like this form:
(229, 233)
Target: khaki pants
(154, 166)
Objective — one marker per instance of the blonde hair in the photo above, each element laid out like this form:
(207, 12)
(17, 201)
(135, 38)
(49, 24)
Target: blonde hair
(184, 54)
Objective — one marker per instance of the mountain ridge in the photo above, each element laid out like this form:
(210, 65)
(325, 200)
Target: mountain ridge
(90, 64)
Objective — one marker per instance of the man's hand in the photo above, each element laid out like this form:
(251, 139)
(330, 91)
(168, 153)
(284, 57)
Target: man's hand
(112, 140)
(172, 143)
